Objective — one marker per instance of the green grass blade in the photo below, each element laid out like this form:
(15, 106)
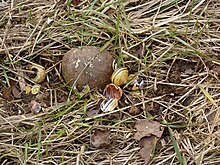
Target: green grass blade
(38, 146)
(105, 46)
(90, 8)
(176, 147)
(25, 153)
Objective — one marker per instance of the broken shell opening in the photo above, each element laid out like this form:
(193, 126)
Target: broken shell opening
(40, 73)
(113, 91)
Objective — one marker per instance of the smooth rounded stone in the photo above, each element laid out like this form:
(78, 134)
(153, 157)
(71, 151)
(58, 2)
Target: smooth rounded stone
(87, 66)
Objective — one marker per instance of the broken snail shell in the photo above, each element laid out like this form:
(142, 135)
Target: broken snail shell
(40, 73)
(120, 76)
(35, 107)
(113, 94)
(113, 91)
(136, 82)
(109, 105)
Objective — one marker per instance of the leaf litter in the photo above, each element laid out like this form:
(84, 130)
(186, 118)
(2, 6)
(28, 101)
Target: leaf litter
(148, 133)
(146, 127)
(11, 92)
(147, 145)
(100, 138)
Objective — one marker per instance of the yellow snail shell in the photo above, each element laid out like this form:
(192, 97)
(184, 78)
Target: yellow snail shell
(120, 76)
(40, 74)
(35, 89)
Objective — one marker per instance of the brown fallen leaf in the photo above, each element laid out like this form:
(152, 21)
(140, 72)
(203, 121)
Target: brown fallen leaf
(16, 93)
(146, 127)
(92, 112)
(216, 69)
(152, 106)
(100, 138)
(134, 110)
(75, 2)
(21, 81)
(147, 145)
(6, 93)
(141, 51)
(11, 92)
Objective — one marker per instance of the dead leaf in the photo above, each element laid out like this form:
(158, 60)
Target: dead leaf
(21, 81)
(147, 127)
(147, 145)
(151, 106)
(141, 51)
(216, 69)
(76, 2)
(16, 93)
(6, 93)
(211, 117)
(148, 132)
(92, 112)
(100, 138)
(134, 110)
(11, 91)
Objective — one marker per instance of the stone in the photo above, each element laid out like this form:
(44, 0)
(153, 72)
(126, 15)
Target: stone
(87, 66)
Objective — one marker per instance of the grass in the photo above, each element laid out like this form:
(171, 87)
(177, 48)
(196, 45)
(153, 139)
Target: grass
(176, 147)
(172, 44)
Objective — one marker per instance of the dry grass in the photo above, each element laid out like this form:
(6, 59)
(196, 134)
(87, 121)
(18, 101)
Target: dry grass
(173, 44)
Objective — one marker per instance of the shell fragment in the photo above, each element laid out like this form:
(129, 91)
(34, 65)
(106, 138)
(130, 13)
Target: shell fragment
(108, 105)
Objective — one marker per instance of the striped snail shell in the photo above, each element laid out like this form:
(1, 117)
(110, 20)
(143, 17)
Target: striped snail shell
(109, 104)
(120, 76)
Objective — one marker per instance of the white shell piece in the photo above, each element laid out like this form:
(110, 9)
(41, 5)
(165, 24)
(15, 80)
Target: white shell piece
(109, 104)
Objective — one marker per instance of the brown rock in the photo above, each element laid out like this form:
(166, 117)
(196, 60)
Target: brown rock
(87, 66)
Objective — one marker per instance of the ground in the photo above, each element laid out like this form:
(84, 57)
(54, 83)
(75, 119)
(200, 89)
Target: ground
(172, 46)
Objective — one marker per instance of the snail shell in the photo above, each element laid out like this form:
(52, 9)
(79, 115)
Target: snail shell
(113, 91)
(40, 74)
(109, 105)
(120, 76)
(136, 82)
(35, 89)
